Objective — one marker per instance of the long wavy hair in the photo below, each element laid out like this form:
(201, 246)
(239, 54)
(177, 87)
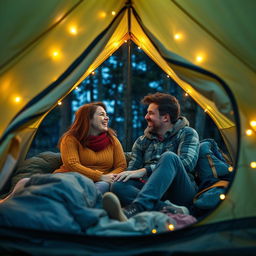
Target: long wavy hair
(82, 123)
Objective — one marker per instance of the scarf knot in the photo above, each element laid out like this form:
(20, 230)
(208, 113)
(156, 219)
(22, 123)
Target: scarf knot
(99, 142)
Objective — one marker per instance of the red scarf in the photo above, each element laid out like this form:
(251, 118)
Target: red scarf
(98, 143)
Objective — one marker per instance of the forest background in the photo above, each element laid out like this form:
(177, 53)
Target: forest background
(121, 82)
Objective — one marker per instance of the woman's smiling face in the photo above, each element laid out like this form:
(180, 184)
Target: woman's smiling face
(99, 122)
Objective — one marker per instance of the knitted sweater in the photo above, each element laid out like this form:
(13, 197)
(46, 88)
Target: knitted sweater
(93, 165)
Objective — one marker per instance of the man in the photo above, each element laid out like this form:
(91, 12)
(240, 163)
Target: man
(161, 164)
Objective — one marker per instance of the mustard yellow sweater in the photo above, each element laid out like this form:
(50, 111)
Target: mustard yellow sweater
(77, 158)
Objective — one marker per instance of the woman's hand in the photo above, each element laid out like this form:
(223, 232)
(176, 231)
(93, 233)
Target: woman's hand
(108, 177)
(126, 175)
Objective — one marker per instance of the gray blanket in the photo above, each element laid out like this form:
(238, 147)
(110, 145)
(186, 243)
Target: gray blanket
(70, 203)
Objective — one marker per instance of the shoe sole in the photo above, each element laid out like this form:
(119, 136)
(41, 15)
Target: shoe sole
(112, 206)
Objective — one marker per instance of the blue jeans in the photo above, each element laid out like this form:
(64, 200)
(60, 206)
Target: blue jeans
(169, 177)
(102, 186)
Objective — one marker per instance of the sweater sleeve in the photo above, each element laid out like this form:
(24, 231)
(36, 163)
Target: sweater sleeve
(119, 164)
(70, 157)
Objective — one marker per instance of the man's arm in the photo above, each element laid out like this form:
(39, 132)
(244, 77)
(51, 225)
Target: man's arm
(188, 148)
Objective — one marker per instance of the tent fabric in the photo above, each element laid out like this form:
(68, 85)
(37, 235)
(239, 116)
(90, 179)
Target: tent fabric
(207, 47)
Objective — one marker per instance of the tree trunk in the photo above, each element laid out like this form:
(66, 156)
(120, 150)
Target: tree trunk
(127, 97)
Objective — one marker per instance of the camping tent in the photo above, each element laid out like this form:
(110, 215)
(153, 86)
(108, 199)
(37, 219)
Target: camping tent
(48, 47)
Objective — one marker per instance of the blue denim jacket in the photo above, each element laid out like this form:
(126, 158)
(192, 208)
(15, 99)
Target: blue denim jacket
(181, 139)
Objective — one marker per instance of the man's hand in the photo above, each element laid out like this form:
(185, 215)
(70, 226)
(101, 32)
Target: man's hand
(108, 177)
(126, 175)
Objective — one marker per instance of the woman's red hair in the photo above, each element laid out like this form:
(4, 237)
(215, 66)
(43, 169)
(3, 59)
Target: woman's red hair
(81, 125)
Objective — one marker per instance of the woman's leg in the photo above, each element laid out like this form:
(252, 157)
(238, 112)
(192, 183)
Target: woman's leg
(102, 186)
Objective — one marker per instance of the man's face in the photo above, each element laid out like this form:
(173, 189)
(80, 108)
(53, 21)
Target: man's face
(153, 118)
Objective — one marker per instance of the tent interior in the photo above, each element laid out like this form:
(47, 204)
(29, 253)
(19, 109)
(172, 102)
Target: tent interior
(207, 47)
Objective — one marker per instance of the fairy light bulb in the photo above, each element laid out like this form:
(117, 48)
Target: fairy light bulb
(199, 58)
(93, 73)
(171, 227)
(248, 132)
(253, 164)
(222, 196)
(230, 168)
(253, 123)
(73, 30)
(17, 99)
(59, 103)
(186, 94)
(113, 13)
(154, 231)
(167, 76)
(102, 15)
(178, 36)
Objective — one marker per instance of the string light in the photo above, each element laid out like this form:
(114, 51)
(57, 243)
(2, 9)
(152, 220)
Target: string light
(199, 58)
(102, 15)
(154, 231)
(178, 36)
(230, 168)
(253, 124)
(93, 73)
(125, 41)
(253, 164)
(222, 196)
(77, 88)
(206, 110)
(171, 227)
(167, 76)
(73, 30)
(139, 47)
(55, 54)
(113, 13)
(186, 94)
(248, 132)
(59, 103)
(17, 99)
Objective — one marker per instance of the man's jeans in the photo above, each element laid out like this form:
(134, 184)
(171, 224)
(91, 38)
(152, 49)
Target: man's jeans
(169, 177)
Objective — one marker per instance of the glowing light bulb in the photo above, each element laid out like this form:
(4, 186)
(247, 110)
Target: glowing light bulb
(206, 110)
(253, 123)
(139, 47)
(154, 231)
(171, 227)
(222, 196)
(77, 88)
(17, 99)
(178, 36)
(59, 103)
(113, 13)
(167, 76)
(230, 168)
(102, 15)
(55, 54)
(186, 94)
(248, 132)
(125, 41)
(73, 30)
(199, 58)
(93, 73)
(253, 164)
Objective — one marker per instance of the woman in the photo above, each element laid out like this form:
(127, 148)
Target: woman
(91, 148)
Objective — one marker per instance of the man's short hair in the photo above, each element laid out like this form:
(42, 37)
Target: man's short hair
(167, 104)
